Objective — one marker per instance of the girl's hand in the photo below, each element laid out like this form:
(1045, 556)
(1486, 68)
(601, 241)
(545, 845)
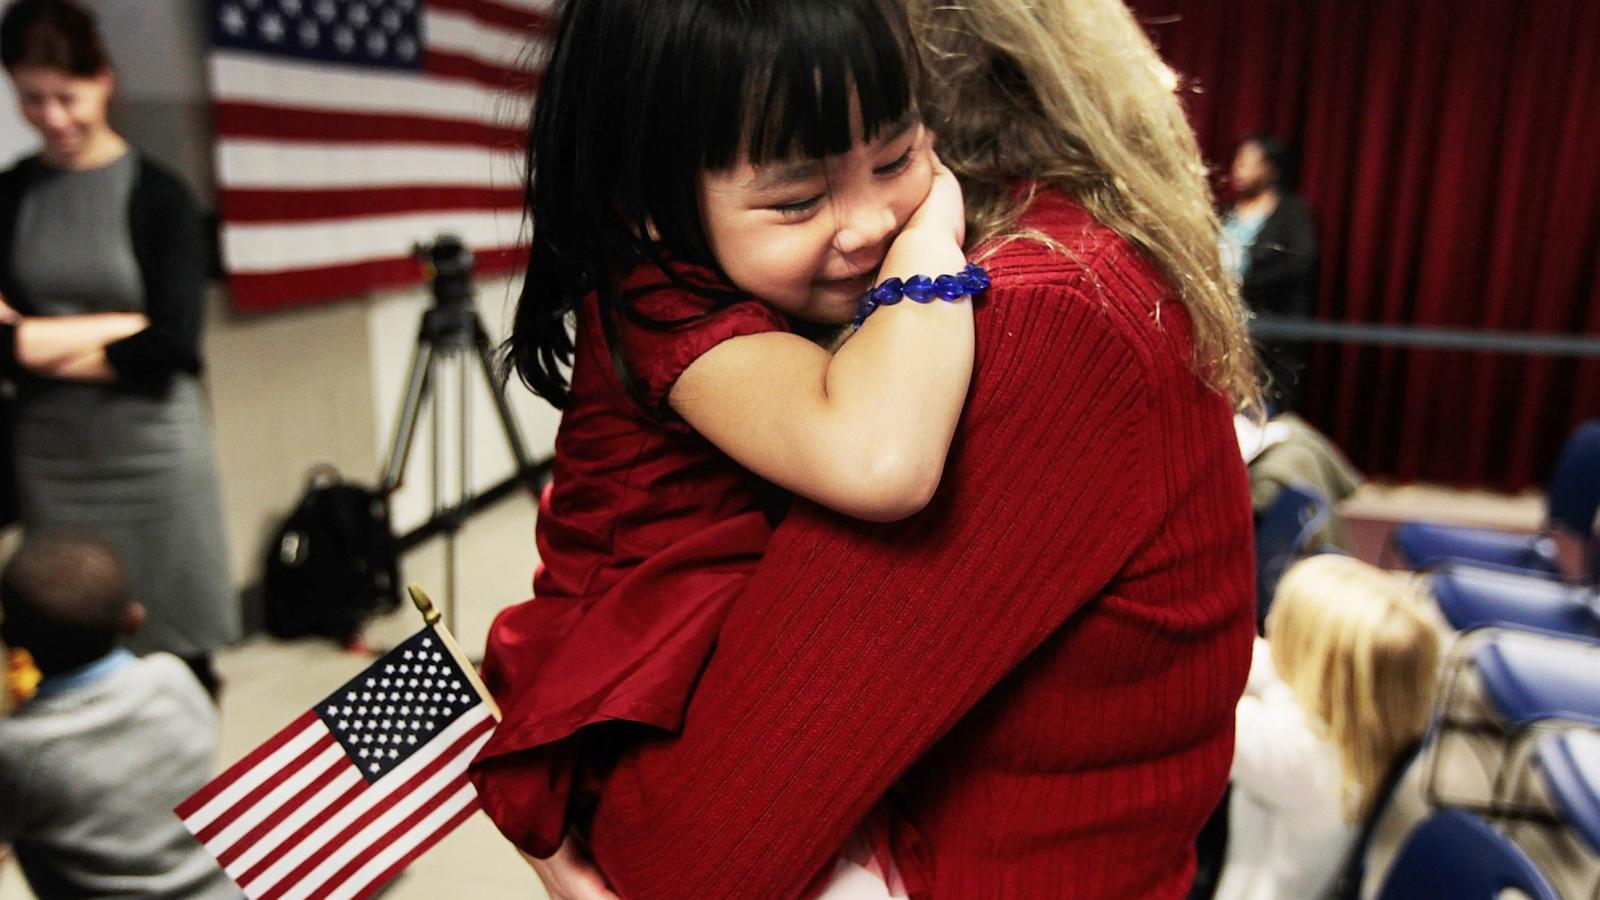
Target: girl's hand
(571, 875)
(943, 212)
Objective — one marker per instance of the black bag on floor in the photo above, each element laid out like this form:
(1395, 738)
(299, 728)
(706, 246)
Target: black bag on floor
(333, 564)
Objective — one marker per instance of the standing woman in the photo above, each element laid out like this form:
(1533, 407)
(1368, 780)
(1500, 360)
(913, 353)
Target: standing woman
(101, 304)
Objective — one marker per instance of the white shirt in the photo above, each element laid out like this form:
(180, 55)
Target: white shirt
(1287, 834)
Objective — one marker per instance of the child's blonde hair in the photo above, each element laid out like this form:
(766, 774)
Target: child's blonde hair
(1360, 648)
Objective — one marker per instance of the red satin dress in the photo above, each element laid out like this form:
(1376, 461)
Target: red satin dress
(645, 537)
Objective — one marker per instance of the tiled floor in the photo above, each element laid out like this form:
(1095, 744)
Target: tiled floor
(270, 682)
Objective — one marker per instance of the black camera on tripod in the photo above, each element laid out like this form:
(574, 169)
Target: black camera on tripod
(450, 267)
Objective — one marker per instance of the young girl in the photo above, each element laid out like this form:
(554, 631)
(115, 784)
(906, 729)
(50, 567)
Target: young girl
(1340, 690)
(745, 151)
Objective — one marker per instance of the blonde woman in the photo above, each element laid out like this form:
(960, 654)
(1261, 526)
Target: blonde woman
(1040, 669)
(1338, 692)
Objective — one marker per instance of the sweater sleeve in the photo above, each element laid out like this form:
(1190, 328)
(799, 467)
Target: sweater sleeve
(857, 646)
(170, 243)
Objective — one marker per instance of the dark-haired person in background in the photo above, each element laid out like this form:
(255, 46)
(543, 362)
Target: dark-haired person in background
(101, 305)
(92, 764)
(1271, 247)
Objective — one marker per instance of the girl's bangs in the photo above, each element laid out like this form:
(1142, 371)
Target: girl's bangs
(804, 75)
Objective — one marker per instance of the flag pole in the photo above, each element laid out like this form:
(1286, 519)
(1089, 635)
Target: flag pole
(430, 616)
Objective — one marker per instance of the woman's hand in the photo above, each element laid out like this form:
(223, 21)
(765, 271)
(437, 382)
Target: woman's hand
(570, 874)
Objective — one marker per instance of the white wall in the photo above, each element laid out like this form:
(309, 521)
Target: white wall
(16, 138)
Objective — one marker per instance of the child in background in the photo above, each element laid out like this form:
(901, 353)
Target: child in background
(93, 762)
(1339, 691)
(756, 169)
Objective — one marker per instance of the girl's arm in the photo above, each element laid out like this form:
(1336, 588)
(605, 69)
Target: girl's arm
(864, 431)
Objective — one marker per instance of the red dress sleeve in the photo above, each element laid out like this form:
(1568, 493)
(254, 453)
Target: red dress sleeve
(688, 326)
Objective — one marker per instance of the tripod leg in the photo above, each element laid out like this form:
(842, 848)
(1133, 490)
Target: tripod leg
(502, 407)
(405, 425)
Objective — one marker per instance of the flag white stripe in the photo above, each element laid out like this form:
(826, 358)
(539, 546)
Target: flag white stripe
(292, 822)
(449, 776)
(286, 166)
(448, 780)
(317, 840)
(252, 778)
(244, 78)
(273, 248)
(466, 36)
(543, 6)
(394, 852)
(275, 798)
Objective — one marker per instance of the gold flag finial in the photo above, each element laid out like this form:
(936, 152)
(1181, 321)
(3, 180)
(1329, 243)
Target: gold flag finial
(430, 614)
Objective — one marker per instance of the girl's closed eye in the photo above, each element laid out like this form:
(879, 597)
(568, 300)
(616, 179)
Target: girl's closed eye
(798, 209)
(901, 163)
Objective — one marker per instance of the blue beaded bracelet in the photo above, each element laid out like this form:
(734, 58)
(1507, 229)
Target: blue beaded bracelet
(969, 282)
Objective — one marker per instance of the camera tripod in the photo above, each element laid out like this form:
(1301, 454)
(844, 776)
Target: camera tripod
(451, 334)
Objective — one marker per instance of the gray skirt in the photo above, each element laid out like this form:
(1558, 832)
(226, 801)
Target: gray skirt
(140, 472)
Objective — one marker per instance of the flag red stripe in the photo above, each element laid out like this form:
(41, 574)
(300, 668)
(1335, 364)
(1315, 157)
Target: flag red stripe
(298, 287)
(234, 119)
(219, 784)
(497, 14)
(401, 828)
(260, 206)
(293, 841)
(422, 847)
(215, 826)
(515, 80)
(251, 837)
(399, 793)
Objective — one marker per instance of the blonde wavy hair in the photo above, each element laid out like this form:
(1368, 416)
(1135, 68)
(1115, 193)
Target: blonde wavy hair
(1360, 649)
(1072, 94)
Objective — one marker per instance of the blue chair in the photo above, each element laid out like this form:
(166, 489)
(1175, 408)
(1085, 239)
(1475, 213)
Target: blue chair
(1284, 534)
(1457, 856)
(1474, 596)
(1570, 761)
(1571, 500)
(1531, 681)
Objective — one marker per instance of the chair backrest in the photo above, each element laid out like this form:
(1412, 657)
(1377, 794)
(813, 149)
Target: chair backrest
(1283, 535)
(1571, 764)
(1457, 855)
(1573, 497)
(1529, 680)
(1472, 596)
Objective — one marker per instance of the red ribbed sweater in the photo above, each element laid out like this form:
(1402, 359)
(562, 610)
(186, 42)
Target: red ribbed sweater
(1043, 664)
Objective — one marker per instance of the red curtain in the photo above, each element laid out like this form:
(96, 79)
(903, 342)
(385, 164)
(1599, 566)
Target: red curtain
(1450, 154)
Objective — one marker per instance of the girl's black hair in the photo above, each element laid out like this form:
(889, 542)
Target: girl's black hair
(638, 97)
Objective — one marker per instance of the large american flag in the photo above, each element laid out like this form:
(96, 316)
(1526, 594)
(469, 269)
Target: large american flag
(340, 801)
(347, 130)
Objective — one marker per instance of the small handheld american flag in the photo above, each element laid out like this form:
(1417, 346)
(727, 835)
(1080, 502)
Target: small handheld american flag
(348, 794)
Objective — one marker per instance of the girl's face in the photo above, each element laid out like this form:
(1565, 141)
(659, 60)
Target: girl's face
(807, 236)
(68, 111)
